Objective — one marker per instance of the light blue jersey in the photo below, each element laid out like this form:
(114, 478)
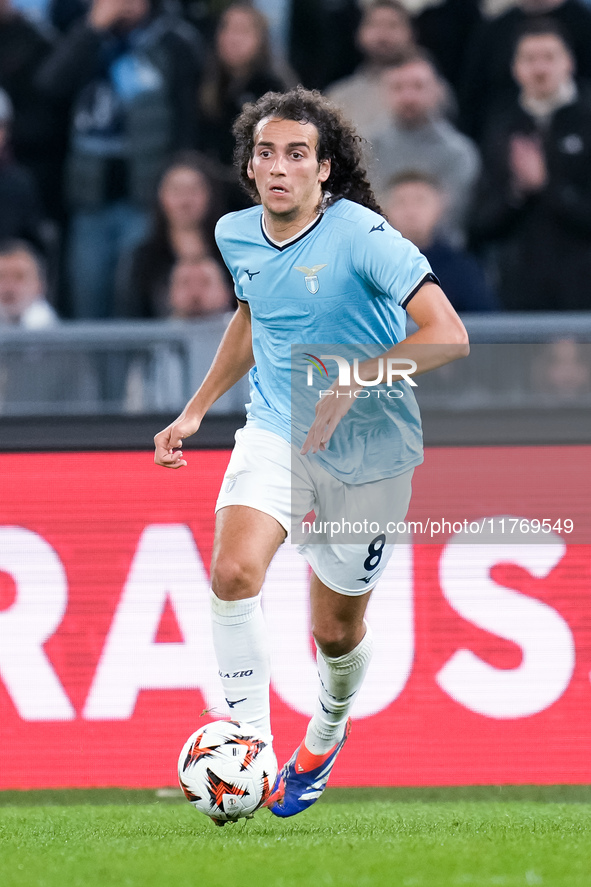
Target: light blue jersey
(345, 280)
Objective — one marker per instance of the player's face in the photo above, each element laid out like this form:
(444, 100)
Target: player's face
(286, 170)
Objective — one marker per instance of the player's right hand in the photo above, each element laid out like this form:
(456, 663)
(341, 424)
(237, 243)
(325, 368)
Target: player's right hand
(169, 442)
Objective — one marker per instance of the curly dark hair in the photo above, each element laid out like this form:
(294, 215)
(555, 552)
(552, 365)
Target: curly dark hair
(337, 142)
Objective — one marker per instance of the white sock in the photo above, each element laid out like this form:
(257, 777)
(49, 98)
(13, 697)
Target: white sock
(240, 643)
(340, 679)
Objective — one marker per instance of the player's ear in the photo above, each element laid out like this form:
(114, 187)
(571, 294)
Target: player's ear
(323, 170)
(249, 170)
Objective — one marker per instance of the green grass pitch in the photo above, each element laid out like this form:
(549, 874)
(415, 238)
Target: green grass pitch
(350, 838)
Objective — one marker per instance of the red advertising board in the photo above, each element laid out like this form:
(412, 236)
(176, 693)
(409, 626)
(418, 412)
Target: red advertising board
(483, 651)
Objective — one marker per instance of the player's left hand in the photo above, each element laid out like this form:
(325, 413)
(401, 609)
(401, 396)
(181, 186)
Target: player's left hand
(330, 409)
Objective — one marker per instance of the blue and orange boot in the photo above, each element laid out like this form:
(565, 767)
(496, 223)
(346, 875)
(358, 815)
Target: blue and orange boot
(303, 779)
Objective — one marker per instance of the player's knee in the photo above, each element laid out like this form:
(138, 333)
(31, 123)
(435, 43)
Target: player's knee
(234, 579)
(334, 638)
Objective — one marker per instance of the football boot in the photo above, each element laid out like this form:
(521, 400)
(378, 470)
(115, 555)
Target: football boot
(303, 779)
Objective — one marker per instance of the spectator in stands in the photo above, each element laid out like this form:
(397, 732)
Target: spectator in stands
(415, 206)
(446, 28)
(419, 137)
(198, 287)
(487, 82)
(22, 287)
(128, 75)
(384, 36)
(184, 217)
(38, 130)
(239, 70)
(534, 198)
(63, 13)
(20, 209)
(562, 369)
(35, 378)
(322, 40)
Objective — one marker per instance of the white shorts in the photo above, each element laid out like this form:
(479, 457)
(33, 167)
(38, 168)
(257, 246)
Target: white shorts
(348, 555)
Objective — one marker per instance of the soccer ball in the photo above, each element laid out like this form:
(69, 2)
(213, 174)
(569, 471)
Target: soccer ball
(227, 770)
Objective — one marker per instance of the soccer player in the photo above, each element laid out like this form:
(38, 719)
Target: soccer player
(313, 262)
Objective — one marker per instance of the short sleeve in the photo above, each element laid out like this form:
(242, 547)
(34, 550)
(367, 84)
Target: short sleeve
(224, 245)
(239, 292)
(387, 261)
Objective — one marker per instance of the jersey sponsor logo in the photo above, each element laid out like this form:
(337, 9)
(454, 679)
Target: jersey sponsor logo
(232, 478)
(377, 228)
(251, 274)
(311, 279)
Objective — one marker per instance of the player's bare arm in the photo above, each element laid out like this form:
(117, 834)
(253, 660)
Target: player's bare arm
(439, 328)
(233, 360)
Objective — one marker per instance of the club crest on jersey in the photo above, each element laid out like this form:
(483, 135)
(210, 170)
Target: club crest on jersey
(311, 279)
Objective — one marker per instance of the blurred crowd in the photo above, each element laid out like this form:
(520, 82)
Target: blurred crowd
(116, 143)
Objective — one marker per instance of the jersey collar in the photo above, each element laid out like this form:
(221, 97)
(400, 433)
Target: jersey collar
(283, 244)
